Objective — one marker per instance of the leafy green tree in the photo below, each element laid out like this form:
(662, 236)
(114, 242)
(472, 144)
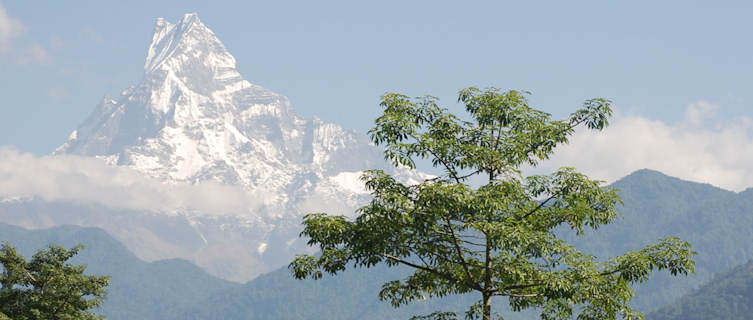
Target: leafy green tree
(47, 287)
(497, 239)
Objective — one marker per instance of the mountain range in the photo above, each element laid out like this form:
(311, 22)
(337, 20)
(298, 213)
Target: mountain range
(138, 289)
(728, 296)
(193, 120)
(715, 221)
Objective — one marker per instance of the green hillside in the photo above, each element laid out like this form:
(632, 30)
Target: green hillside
(728, 296)
(717, 222)
(350, 295)
(138, 290)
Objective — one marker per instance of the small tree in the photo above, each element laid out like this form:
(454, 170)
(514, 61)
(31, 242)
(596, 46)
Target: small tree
(47, 287)
(498, 239)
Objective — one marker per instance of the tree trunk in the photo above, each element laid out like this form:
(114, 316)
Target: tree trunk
(487, 293)
(487, 297)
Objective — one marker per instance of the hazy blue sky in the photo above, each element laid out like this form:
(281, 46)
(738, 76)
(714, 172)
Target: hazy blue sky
(334, 59)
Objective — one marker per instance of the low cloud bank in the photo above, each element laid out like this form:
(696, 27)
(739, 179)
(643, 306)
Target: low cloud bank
(91, 180)
(699, 148)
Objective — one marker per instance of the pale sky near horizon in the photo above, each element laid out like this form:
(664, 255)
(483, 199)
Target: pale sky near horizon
(678, 71)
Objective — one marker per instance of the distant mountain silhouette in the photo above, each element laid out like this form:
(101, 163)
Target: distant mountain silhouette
(715, 221)
(137, 290)
(728, 296)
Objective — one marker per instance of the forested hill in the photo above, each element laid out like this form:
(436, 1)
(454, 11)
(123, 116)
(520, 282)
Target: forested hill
(351, 295)
(177, 289)
(728, 296)
(138, 290)
(716, 222)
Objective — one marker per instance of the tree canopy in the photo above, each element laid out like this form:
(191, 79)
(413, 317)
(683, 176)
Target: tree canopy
(47, 287)
(496, 239)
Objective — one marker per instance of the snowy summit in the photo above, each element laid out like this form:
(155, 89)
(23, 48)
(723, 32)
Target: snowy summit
(193, 118)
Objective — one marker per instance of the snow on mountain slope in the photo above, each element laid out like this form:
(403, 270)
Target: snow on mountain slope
(193, 118)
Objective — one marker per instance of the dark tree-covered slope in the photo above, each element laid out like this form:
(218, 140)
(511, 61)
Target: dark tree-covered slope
(728, 296)
(137, 290)
(351, 295)
(716, 222)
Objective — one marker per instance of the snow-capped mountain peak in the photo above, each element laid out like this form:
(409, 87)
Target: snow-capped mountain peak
(187, 40)
(193, 118)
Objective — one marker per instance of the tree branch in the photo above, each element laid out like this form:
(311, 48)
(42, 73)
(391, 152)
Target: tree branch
(522, 286)
(539, 206)
(459, 236)
(29, 274)
(488, 266)
(451, 171)
(470, 174)
(516, 295)
(460, 254)
(419, 267)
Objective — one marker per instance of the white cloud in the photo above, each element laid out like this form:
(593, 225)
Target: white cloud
(698, 113)
(25, 54)
(720, 154)
(10, 28)
(90, 180)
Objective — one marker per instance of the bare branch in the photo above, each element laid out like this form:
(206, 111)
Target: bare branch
(515, 295)
(430, 270)
(29, 274)
(459, 236)
(541, 205)
(459, 252)
(450, 170)
(470, 174)
(522, 286)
